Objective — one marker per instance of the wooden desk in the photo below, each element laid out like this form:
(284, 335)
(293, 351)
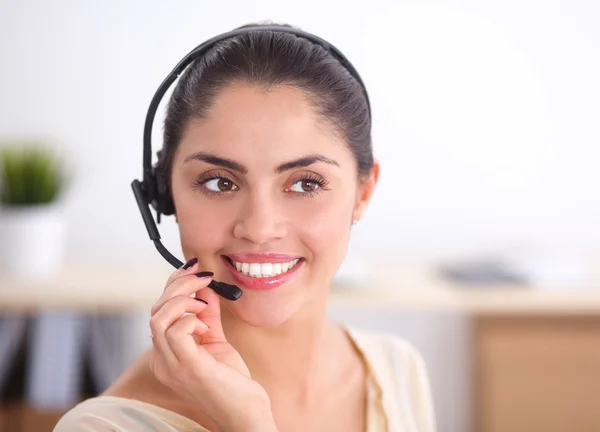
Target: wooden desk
(406, 285)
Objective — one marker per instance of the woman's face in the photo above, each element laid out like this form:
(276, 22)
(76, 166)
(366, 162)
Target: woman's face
(262, 185)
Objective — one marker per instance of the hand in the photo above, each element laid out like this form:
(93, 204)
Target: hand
(192, 356)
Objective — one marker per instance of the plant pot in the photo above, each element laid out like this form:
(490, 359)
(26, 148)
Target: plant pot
(32, 241)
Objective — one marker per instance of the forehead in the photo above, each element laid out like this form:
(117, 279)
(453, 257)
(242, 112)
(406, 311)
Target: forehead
(246, 120)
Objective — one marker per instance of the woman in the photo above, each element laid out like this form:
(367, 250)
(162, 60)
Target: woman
(267, 150)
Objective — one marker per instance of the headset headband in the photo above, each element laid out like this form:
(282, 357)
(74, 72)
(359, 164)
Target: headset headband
(202, 48)
(145, 192)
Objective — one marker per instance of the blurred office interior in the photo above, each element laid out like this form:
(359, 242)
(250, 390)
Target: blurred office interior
(481, 246)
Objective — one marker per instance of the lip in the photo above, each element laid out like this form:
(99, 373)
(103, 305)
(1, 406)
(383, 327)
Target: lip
(260, 258)
(262, 284)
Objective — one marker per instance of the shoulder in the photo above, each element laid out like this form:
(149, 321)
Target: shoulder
(389, 351)
(399, 370)
(90, 415)
(116, 414)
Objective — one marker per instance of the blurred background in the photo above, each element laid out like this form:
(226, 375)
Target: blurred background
(481, 246)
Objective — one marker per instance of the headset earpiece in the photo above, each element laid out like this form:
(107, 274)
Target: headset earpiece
(163, 201)
(157, 191)
(157, 194)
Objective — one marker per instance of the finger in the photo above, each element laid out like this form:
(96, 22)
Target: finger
(190, 267)
(160, 322)
(180, 337)
(162, 351)
(174, 309)
(211, 315)
(183, 286)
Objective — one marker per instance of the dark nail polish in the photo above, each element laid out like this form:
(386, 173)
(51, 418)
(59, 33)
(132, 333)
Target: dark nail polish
(200, 300)
(190, 263)
(205, 274)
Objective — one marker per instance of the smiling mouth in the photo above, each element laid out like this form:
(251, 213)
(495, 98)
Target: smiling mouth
(263, 270)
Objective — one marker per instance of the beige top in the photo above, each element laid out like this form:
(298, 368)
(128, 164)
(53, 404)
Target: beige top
(398, 397)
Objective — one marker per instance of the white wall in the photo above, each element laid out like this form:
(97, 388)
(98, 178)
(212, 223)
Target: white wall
(485, 113)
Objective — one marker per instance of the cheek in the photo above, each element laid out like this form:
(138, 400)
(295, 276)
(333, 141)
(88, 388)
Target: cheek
(325, 229)
(200, 228)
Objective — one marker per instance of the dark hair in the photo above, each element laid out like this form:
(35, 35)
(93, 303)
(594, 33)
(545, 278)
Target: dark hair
(268, 58)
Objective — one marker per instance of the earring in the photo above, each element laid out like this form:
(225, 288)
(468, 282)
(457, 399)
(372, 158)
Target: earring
(354, 222)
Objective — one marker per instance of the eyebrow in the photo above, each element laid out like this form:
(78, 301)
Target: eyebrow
(302, 162)
(216, 160)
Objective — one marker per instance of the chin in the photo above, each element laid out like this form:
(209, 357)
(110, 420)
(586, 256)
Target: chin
(260, 313)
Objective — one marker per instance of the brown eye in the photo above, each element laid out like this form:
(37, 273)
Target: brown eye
(305, 186)
(309, 186)
(220, 184)
(224, 185)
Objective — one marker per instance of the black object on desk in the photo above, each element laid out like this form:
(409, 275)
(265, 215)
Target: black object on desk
(481, 273)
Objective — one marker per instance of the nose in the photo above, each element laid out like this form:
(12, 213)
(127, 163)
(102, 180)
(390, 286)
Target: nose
(260, 220)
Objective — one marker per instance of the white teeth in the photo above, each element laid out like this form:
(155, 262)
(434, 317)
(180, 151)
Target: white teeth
(255, 270)
(264, 269)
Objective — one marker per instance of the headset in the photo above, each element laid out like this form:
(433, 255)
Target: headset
(153, 190)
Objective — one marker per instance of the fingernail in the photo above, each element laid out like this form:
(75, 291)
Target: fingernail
(190, 263)
(205, 274)
(200, 300)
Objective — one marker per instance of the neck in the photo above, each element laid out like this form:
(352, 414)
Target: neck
(289, 360)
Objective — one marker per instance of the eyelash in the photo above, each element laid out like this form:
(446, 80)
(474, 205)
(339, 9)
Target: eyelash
(312, 178)
(205, 178)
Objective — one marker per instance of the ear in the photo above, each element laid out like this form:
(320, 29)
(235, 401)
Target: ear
(366, 187)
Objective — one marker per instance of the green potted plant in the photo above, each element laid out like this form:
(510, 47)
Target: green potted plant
(32, 181)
